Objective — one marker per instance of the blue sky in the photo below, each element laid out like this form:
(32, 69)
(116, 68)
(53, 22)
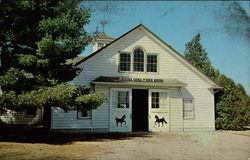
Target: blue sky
(224, 28)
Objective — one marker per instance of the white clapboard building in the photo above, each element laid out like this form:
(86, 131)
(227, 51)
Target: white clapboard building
(148, 86)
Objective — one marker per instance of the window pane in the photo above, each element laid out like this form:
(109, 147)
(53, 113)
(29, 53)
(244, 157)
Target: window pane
(188, 109)
(155, 99)
(84, 114)
(151, 63)
(123, 99)
(139, 67)
(100, 45)
(125, 61)
(138, 60)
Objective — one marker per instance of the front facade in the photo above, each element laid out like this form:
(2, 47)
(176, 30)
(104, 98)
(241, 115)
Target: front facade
(148, 86)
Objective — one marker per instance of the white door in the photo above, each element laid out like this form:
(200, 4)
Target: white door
(120, 110)
(158, 110)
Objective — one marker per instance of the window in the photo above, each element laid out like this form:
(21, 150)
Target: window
(188, 105)
(120, 99)
(155, 99)
(125, 61)
(84, 114)
(139, 60)
(159, 99)
(100, 45)
(151, 63)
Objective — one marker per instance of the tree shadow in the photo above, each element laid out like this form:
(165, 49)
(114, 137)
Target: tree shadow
(40, 135)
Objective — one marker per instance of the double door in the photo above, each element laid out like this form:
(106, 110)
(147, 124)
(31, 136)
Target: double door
(121, 109)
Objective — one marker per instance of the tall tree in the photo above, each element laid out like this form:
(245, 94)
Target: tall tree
(232, 103)
(195, 53)
(36, 39)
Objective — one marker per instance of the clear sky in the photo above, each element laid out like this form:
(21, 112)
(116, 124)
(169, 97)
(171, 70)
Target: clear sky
(224, 28)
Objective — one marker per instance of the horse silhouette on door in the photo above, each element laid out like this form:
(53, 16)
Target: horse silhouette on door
(160, 120)
(120, 120)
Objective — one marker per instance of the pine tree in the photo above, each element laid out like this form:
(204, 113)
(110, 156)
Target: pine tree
(36, 39)
(232, 103)
(195, 53)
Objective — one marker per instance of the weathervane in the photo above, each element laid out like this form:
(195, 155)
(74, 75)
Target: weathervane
(103, 23)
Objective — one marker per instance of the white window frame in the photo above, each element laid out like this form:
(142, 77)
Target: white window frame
(159, 99)
(145, 54)
(157, 62)
(144, 59)
(193, 108)
(117, 99)
(120, 61)
(79, 115)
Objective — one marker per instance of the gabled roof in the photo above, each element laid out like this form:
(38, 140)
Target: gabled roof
(103, 36)
(214, 86)
(96, 52)
(75, 60)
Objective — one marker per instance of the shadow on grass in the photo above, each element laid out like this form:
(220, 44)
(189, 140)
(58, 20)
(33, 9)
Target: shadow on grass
(39, 135)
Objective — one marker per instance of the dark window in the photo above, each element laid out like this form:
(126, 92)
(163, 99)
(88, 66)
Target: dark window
(125, 61)
(123, 99)
(151, 63)
(100, 45)
(84, 114)
(155, 99)
(138, 60)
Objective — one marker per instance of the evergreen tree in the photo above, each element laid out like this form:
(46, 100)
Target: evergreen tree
(232, 103)
(195, 53)
(36, 39)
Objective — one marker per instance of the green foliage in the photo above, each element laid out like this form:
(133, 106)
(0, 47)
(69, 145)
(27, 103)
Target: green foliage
(232, 103)
(84, 102)
(36, 39)
(63, 96)
(233, 106)
(195, 53)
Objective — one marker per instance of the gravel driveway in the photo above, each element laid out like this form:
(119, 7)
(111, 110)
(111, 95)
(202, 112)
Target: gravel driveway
(219, 145)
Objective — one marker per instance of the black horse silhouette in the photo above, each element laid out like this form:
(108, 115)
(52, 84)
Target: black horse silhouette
(160, 120)
(120, 120)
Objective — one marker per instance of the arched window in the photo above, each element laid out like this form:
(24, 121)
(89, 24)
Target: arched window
(138, 60)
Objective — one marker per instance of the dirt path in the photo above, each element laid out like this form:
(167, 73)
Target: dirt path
(182, 146)
(219, 145)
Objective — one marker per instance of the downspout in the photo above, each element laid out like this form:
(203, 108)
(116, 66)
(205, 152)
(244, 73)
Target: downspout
(182, 108)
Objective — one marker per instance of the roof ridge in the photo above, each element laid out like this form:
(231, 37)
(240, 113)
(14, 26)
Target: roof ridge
(91, 55)
(177, 53)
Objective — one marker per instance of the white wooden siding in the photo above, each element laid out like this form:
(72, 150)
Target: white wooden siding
(176, 114)
(12, 117)
(68, 120)
(176, 110)
(106, 63)
(101, 114)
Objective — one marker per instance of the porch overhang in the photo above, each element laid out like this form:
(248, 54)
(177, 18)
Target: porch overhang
(137, 82)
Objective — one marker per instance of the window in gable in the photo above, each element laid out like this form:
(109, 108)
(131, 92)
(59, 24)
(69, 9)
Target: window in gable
(125, 62)
(138, 60)
(151, 63)
(100, 45)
